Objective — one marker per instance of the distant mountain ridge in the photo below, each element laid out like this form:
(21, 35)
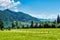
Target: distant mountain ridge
(44, 20)
(8, 15)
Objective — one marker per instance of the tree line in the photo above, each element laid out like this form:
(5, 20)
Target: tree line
(47, 24)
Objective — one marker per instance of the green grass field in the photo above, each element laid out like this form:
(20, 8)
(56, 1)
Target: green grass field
(31, 34)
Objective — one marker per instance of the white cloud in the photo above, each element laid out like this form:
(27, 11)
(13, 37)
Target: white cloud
(16, 10)
(4, 4)
(44, 16)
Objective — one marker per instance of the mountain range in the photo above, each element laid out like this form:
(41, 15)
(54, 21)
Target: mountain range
(8, 15)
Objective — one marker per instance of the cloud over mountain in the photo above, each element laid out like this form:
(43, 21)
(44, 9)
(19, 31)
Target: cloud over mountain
(7, 4)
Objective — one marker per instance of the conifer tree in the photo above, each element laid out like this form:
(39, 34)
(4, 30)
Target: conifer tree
(32, 24)
(13, 26)
(1, 24)
(58, 19)
(36, 25)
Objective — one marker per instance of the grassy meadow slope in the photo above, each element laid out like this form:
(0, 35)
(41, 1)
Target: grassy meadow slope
(31, 34)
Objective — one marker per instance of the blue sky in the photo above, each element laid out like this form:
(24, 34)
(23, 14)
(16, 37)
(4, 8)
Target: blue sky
(38, 8)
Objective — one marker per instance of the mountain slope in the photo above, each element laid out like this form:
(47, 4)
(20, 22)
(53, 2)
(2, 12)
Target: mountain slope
(13, 16)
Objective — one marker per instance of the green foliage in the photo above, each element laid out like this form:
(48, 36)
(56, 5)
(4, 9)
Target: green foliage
(9, 28)
(32, 24)
(36, 25)
(17, 24)
(58, 26)
(58, 19)
(1, 24)
(13, 25)
(23, 26)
